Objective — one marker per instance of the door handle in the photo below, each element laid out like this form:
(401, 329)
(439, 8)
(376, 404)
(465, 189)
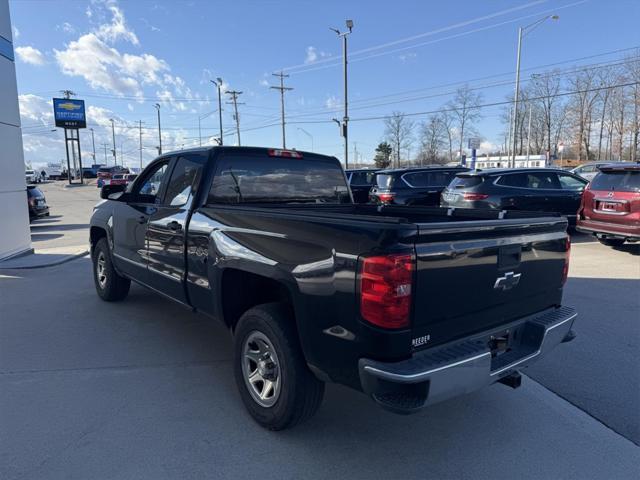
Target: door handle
(174, 226)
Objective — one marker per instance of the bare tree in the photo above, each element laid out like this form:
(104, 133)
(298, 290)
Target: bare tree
(465, 108)
(581, 109)
(633, 72)
(546, 87)
(447, 119)
(399, 133)
(432, 139)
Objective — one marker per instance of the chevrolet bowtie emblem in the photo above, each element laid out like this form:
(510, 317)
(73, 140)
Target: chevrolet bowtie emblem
(507, 282)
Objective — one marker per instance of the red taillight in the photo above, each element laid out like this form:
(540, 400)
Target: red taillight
(276, 152)
(385, 290)
(475, 196)
(385, 197)
(567, 258)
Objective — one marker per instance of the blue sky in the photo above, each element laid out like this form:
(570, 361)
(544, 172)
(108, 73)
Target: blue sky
(123, 57)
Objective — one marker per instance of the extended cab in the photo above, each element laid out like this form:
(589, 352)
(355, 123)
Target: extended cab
(411, 305)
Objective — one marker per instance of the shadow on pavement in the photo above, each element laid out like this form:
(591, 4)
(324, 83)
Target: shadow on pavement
(40, 237)
(68, 226)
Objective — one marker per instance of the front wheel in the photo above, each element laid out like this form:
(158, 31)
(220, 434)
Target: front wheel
(110, 286)
(612, 242)
(275, 384)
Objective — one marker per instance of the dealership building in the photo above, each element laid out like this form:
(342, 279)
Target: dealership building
(15, 237)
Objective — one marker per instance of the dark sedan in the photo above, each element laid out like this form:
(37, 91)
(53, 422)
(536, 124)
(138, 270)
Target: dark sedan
(360, 182)
(37, 203)
(412, 186)
(533, 189)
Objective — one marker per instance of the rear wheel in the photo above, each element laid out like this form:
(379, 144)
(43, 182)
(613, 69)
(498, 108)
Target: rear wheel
(275, 384)
(612, 242)
(110, 286)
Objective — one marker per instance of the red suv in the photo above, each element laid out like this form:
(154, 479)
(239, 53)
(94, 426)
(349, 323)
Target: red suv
(610, 207)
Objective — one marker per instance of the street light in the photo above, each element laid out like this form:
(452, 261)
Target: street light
(157, 107)
(522, 31)
(113, 132)
(218, 85)
(308, 134)
(345, 118)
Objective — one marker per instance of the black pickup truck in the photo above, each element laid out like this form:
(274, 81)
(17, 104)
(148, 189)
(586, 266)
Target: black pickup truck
(411, 305)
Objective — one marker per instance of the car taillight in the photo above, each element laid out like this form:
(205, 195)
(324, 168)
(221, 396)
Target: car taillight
(385, 290)
(567, 258)
(386, 197)
(475, 196)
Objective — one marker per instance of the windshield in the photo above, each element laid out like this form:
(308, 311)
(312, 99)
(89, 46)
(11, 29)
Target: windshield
(622, 181)
(260, 179)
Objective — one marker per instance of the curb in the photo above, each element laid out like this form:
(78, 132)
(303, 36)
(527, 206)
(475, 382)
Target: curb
(54, 263)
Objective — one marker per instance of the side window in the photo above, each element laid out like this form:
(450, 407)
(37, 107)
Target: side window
(152, 183)
(184, 179)
(569, 182)
(514, 180)
(543, 181)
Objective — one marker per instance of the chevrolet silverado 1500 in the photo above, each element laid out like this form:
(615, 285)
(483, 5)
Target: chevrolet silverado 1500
(410, 305)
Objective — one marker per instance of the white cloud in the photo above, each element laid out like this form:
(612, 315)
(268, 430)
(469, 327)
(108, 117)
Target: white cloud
(405, 57)
(66, 27)
(16, 32)
(30, 55)
(332, 102)
(117, 29)
(130, 107)
(35, 108)
(312, 54)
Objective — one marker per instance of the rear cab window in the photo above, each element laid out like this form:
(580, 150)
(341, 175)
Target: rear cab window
(428, 178)
(362, 178)
(621, 181)
(254, 178)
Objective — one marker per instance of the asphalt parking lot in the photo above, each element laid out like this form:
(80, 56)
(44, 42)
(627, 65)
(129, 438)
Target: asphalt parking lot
(144, 389)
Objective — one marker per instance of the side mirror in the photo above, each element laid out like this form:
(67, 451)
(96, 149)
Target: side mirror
(108, 190)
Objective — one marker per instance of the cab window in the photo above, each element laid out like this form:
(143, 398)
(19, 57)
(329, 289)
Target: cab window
(184, 179)
(149, 188)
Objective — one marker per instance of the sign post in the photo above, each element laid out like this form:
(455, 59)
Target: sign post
(69, 114)
(474, 144)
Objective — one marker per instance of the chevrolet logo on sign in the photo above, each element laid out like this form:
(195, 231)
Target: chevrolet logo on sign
(69, 106)
(507, 282)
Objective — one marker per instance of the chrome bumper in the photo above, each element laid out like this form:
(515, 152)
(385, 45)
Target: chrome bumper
(444, 372)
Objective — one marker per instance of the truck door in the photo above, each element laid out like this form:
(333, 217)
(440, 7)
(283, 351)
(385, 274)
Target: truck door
(130, 220)
(166, 232)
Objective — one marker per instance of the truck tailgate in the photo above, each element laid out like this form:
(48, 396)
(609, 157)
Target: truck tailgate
(473, 276)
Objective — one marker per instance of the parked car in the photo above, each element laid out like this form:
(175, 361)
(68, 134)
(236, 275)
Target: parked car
(317, 289)
(131, 177)
(360, 182)
(105, 173)
(31, 176)
(89, 172)
(610, 207)
(36, 202)
(117, 179)
(532, 189)
(588, 170)
(412, 186)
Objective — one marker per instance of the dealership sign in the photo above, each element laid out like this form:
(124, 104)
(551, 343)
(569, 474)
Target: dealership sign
(69, 113)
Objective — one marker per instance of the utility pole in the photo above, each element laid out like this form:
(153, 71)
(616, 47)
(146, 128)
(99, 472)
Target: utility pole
(140, 130)
(282, 89)
(218, 85)
(234, 99)
(113, 132)
(93, 143)
(345, 118)
(67, 93)
(157, 106)
(105, 145)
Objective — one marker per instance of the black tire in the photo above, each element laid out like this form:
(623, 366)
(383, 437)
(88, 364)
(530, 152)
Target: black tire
(612, 242)
(111, 287)
(300, 392)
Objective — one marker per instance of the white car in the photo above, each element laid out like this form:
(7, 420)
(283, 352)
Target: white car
(588, 170)
(31, 176)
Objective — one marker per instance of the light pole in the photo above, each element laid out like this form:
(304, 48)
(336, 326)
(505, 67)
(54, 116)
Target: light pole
(113, 132)
(345, 118)
(522, 31)
(218, 85)
(308, 134)
(157, 107)
(93, 142)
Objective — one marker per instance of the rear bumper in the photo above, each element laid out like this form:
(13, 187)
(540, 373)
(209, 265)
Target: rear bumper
(443, 372)
(608, 229)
